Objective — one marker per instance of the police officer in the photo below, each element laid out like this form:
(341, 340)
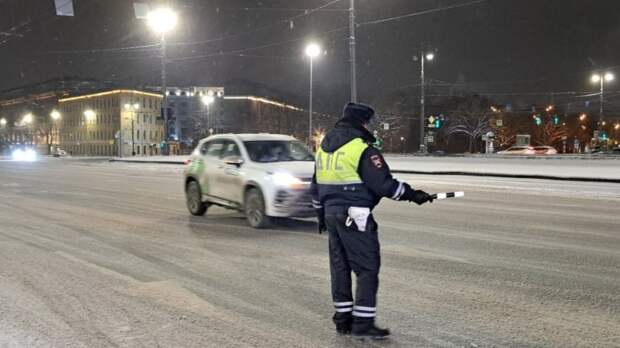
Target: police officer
(350, 179)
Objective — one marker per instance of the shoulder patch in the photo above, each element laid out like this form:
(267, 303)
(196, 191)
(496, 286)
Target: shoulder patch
(377, 161)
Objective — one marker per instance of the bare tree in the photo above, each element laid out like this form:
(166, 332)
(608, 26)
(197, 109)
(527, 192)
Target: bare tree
(45, 131)
(550, 134)
(469, 116)
(511, 125)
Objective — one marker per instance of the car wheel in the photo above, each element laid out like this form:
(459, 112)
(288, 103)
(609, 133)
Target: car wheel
(193, 198)
(254, 207)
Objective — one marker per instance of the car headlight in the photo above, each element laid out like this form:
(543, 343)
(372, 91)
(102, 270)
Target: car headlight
(27, 155)
(286, 179)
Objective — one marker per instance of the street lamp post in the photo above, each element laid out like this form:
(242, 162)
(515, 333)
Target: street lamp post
(55, 130)
(90, 116)
(312, 51)
(161, 21)
(133, 108)
(423, 56)
(352, 54)
(29, 119)
(596, 78)
(207, 100)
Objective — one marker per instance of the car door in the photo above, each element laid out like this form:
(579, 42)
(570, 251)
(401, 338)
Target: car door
(210, 166)
(231, 181)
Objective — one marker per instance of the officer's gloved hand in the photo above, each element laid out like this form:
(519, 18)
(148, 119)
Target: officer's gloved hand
(418, 196)
(321, 219)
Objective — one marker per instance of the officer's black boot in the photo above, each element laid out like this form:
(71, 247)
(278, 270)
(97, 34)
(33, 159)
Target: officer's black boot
(343, 323)
(367, 329)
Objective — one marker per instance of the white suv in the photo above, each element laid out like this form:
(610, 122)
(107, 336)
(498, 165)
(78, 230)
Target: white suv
(262, 175)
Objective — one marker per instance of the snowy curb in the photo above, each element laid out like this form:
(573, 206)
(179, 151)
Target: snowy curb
(404, 171)
(516, 176)
(147, 161)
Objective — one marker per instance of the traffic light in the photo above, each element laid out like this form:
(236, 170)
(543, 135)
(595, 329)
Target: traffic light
(431, 121)
(438, 123)
(537, 120)
(556, 120)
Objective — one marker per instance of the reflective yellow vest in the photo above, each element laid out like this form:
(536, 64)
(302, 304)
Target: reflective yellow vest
(340, 167)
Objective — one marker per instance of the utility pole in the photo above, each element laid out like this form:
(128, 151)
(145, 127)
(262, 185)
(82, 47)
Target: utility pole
(133, 142)
(423, 56)
(310, 107)
(164, 101)
(422, 105)
(600, 113)
(352, 61)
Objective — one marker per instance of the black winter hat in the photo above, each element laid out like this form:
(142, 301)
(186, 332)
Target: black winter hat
(358, 113)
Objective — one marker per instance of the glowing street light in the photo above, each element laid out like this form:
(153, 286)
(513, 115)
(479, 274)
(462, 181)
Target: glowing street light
(28, 118)
(583, 117)
(609, 77)
(134, 108)
(161, 21)
(602, 78)
(313, 50)
(90, 115)
(2, 122)
(55, 115)
(423, 56)
(208, 99)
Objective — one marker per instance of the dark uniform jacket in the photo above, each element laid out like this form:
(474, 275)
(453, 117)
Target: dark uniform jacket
(372, 169)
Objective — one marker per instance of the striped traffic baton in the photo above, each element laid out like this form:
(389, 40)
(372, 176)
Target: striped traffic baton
(446, 195)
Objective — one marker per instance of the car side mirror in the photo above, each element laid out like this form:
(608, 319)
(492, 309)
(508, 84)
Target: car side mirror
(234, 161)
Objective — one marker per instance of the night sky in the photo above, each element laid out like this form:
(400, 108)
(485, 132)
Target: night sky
(517, 51)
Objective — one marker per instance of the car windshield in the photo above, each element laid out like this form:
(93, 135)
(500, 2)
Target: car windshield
(277, 151)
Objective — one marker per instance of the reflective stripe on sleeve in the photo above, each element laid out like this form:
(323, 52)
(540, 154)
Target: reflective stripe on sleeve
(400, 190)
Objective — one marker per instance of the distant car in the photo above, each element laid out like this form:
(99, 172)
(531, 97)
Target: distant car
(518, 150)
(24, 154)
(261, 175)
(545, 150)
(59, 153)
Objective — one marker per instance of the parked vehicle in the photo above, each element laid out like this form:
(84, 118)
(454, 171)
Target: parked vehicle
(518, 150)
(58, 152)
(262, 175)
(545, 150)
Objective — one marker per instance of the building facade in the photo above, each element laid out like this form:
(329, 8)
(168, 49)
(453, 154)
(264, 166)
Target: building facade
(36, 103)
(193, 111)
(252, 114)
(111, 123)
